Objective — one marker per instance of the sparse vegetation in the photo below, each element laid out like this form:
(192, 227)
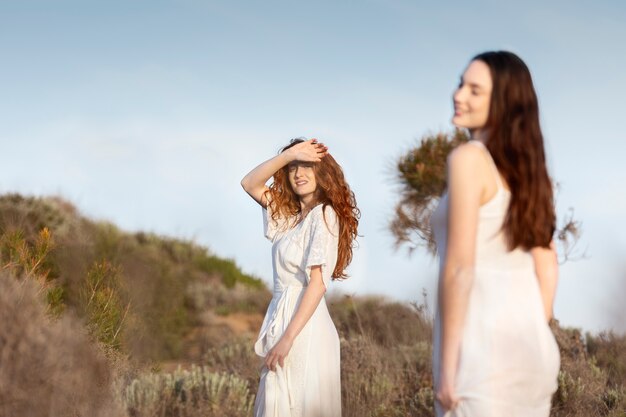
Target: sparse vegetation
(421, 175)
(103, 308)
(152, 304)
(48, 367)
(188, 393)
(133, 289)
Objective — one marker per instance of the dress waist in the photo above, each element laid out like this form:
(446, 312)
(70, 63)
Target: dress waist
(504, 268)
(280, 288)
(279, 313)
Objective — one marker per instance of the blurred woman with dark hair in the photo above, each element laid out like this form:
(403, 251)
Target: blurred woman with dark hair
(311, 217)
(494, 353)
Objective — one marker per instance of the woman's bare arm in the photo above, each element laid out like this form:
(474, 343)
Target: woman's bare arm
(465, 190)
(310, 300)
(254, 182)
(547, 271)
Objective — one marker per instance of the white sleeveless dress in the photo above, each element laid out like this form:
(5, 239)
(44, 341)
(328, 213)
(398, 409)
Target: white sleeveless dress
(309, 385)
(509, 359)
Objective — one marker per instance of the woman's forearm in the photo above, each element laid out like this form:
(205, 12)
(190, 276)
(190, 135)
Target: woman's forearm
(310, 300)
(547, 285)
(454, 298)
(547, 271)
(254, 182)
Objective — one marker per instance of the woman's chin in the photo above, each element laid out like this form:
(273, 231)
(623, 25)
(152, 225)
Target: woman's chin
(457, 122)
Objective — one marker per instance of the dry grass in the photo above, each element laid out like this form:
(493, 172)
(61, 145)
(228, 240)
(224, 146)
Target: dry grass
(385, 357)
(585, 389)
(50, 367)
(608, 349)
(236, 357)
(197, 392)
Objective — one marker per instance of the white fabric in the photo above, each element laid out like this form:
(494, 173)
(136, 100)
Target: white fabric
(509, 359)
(309, 384)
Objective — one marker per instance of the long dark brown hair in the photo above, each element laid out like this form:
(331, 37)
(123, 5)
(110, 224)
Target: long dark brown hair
(515, 142)
(332, 190)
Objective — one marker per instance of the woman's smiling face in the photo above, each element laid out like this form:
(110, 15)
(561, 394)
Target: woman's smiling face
(472, 98)
(302, 178)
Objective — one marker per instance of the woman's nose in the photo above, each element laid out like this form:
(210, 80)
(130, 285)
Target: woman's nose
(459, 95)
(456, 95)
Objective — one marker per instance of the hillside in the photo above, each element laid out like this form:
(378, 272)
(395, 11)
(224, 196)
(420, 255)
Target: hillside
(166, 298)
(97, 321)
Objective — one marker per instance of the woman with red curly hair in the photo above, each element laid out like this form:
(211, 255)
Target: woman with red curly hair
(311, 217)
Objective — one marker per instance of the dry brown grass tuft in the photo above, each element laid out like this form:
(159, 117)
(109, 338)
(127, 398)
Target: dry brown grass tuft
(382, 381)
(48, 367)
(385, 357)
(388, 323)
(609, 352)
(585, 389)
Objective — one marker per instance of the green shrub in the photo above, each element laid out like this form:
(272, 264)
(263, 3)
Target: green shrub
(103, 306)
(227, 269)
(26, 259)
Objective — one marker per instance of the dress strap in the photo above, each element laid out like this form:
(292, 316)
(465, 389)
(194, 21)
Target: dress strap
(493, 163)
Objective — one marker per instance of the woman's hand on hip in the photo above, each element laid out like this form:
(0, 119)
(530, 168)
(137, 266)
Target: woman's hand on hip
(278, 353)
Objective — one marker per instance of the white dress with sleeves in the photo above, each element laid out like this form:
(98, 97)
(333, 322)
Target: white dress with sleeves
(309, 384)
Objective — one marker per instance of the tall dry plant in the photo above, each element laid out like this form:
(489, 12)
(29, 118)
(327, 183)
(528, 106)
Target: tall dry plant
(421, 175)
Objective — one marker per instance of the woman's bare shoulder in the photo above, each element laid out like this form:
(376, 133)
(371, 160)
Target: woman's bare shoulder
(466, 152)
(466, 158)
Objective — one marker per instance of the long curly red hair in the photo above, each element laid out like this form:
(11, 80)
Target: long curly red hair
(332, 190)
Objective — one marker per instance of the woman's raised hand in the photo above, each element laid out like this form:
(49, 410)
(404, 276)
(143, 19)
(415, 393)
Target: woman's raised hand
(308, 151)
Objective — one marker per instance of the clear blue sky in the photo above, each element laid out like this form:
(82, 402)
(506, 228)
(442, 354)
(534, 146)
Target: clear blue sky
(148, 113)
